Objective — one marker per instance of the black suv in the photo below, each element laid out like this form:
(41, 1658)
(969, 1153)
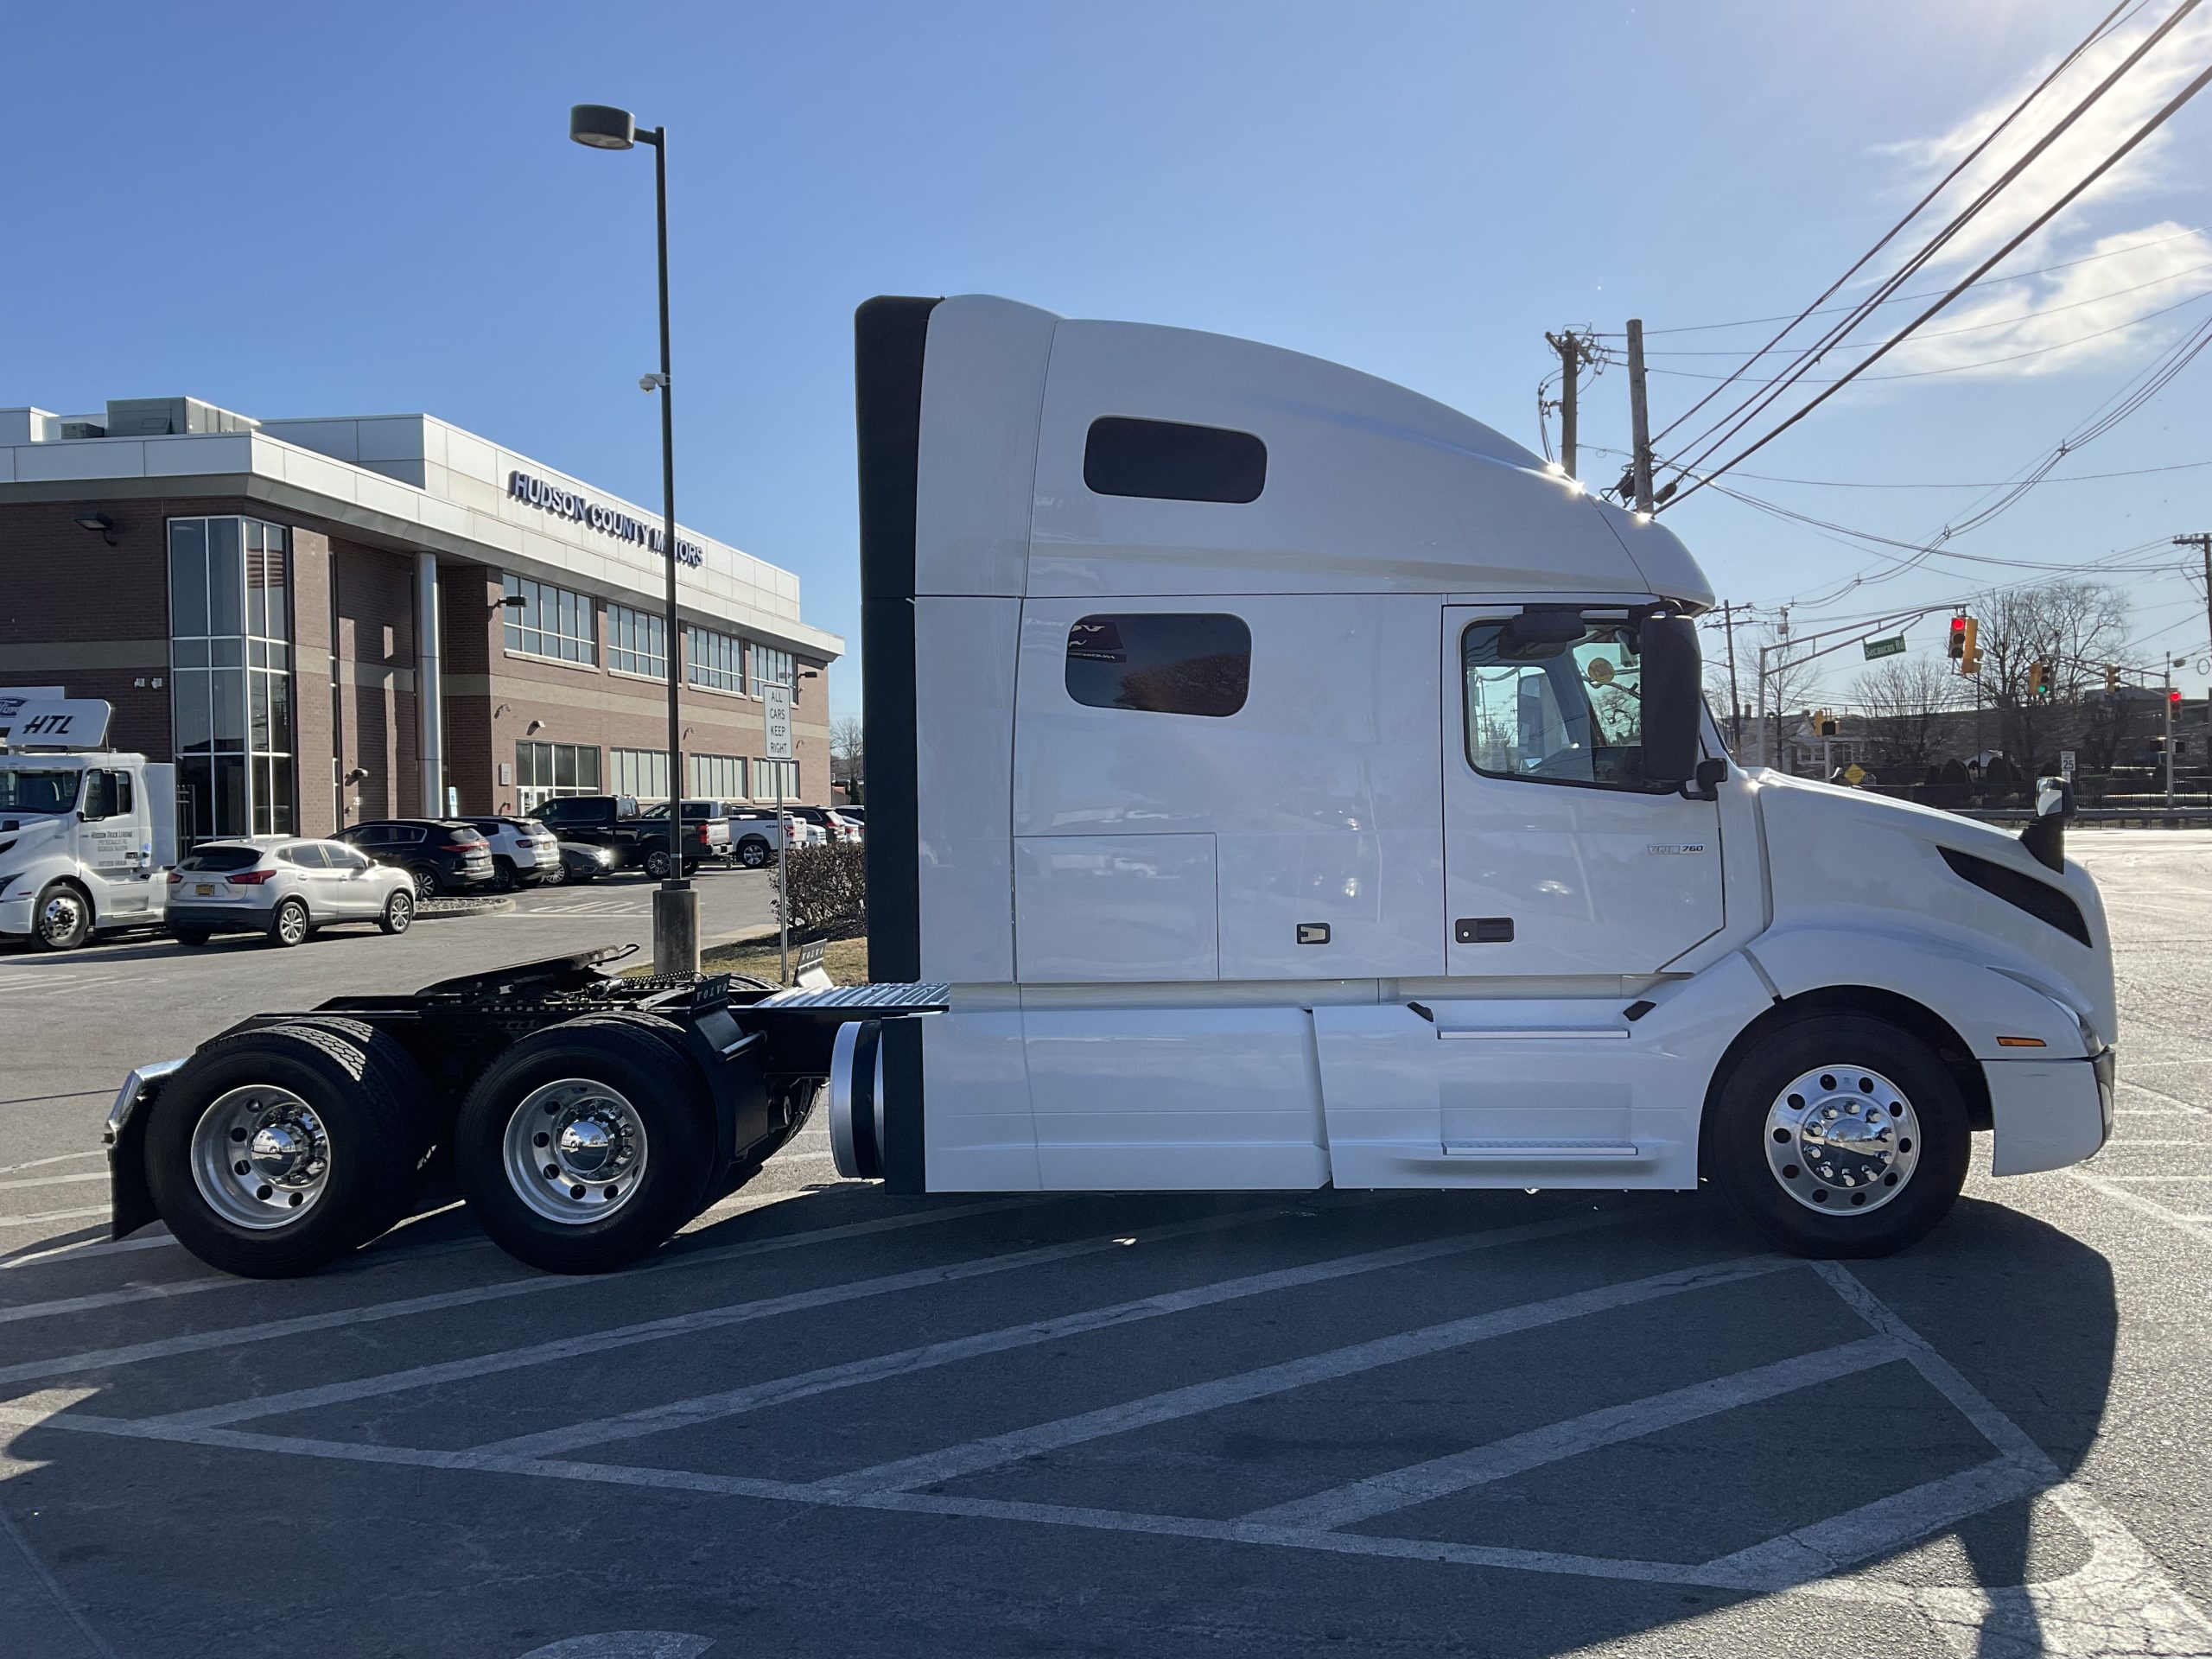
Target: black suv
(440, 855)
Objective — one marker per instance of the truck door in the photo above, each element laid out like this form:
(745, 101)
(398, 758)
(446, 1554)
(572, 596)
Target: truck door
(1560, 858)
(113, 838)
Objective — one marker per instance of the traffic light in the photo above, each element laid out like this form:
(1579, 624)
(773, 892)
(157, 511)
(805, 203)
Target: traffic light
(2173, 698)
(1956, 649)
(2039, 679)
(1824, 723)
(1970, 657)
(2111, 678)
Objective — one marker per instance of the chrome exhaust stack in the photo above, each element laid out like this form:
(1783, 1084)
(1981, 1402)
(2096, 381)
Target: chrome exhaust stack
(857, 1100)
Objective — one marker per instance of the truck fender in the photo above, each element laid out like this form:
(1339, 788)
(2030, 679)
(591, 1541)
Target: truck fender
(130, 1198)
(1998, 994)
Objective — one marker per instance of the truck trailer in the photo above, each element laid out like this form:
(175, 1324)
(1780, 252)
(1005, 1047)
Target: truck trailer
(1278, 779)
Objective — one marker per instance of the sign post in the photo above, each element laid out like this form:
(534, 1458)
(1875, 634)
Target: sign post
(775, 712)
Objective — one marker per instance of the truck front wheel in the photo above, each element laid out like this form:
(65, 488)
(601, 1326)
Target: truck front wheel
(586, 1145)
(62, 919)
(1838, 1135)
(274, 1151)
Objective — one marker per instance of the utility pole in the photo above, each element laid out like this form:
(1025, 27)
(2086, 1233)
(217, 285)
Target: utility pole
(2170, 733)
(1639, 418)
(1573, 351)
(1735, 699)
(2202, 542)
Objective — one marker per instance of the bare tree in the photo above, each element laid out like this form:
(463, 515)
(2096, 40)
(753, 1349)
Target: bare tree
(848, 755)
(1905, 698)
(2072, 628)
(1790, 679)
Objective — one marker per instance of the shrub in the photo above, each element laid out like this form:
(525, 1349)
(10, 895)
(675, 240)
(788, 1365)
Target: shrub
(828, 886)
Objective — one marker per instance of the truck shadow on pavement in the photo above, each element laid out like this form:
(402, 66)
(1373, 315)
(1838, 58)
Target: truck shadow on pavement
(1140, 1423)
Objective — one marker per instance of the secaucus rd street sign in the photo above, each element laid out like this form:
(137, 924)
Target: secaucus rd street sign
(1892, 646)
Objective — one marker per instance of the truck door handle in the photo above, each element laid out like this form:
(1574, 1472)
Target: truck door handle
(1483, 930)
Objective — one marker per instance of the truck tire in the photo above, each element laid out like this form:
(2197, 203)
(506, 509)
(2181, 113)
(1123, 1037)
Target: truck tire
(277, 1150)
(752, 853)
(620, 1116)
(1838, 1135)
(290, 925)
(62, 918)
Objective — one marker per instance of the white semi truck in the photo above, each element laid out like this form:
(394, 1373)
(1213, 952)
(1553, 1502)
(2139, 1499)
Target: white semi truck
(1277, 780)
(86, 834)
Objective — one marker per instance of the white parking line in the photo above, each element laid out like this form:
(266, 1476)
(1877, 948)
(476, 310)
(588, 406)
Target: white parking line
(53, 1215)
(683, 1325)
(538, 1285)
(53, 1180)
(709, 1407)
(92, 1247)
(951, 1463)
(60, 1157)
(1421, 1483)
(2136, 1201)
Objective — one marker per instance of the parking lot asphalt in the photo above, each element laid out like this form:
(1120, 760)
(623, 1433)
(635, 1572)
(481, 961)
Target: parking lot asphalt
(826, 1421)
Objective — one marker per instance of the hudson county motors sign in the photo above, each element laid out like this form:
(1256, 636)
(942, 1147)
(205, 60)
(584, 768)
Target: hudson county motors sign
(608, 521)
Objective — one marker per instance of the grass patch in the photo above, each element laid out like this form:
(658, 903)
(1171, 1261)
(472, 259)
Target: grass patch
(846, 959)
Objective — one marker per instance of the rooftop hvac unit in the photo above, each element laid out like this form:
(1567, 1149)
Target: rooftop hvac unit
(83, 429)
(153, 418)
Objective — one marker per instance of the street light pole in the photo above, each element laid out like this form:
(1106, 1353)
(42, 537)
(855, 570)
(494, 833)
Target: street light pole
(676, 903)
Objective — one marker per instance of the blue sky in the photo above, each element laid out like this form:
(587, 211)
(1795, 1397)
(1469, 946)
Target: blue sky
(319, 210)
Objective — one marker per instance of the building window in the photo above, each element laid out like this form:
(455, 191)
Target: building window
(641, 772)
(637, 642)
(716, 661)
(773, 667)
(1162, 663)
(766, 774)
(1172, 461)
(545, 770)
(550, 621)
(231, 675)
(718, 778)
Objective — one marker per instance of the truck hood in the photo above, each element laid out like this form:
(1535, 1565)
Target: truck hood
(1854, 858)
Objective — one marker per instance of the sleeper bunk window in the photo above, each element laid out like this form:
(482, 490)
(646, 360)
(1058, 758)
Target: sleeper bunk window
(1172, 460)
(1162, 663)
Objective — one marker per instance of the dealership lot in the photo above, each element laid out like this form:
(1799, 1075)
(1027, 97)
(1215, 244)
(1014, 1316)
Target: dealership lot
(826, 1421)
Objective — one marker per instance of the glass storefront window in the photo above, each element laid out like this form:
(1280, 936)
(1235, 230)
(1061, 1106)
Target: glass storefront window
(230, 684)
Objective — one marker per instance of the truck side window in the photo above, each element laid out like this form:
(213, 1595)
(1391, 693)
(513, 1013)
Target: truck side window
(95, 803)
(119, 794)
(1172, 460)
(1161, 663)
(1545, 706)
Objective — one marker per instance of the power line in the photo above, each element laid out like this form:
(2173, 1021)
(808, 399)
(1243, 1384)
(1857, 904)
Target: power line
(1964, 484)
(1928, 294)
(2171, 107)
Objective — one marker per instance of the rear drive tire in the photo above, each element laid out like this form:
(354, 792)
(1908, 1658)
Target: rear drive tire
(619, 1114)
(62, 918)
(318, 1120)
(398, 912)
(289, 926)
(1838, 1135)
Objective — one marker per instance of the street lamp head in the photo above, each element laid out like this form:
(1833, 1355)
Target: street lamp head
(602, 127)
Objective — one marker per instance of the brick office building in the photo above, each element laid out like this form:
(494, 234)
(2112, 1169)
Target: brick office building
(276, 606)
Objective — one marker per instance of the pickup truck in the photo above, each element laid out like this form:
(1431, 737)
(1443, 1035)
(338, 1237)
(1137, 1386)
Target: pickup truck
(706, 828)
(756, 834)
(614, 822)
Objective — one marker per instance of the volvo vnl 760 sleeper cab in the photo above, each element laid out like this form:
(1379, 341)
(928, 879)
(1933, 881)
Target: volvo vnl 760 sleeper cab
(1277, 780)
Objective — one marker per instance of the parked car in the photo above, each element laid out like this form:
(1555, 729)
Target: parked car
(706, 826)
(834, 825)
(757, 835)
(283, 888)
(582, 861)
(522, 850)
(612, 822)
(439, 854)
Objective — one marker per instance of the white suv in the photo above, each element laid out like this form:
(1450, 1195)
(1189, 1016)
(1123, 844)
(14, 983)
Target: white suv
(283, 888)
(524, 851)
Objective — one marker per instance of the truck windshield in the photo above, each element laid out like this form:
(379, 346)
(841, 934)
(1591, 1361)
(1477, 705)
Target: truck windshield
(38, 792)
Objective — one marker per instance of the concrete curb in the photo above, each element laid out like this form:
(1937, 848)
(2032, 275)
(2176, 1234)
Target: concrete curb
(439, 910)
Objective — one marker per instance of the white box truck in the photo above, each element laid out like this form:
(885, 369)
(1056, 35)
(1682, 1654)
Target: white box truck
(1277, 780)
(86, 834)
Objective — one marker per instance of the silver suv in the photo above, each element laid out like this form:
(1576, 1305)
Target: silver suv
(283, 888)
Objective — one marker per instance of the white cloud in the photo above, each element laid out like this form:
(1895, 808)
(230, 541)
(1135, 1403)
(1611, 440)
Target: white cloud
(2152, 263)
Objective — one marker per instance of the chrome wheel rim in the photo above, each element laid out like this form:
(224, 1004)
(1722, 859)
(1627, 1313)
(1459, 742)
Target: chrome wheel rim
(401, 910)
(260, 1157)
(1842, 1139)
(752, 855)
(575, 1151)
(426, 885)
(60, 917)
(292, 922)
